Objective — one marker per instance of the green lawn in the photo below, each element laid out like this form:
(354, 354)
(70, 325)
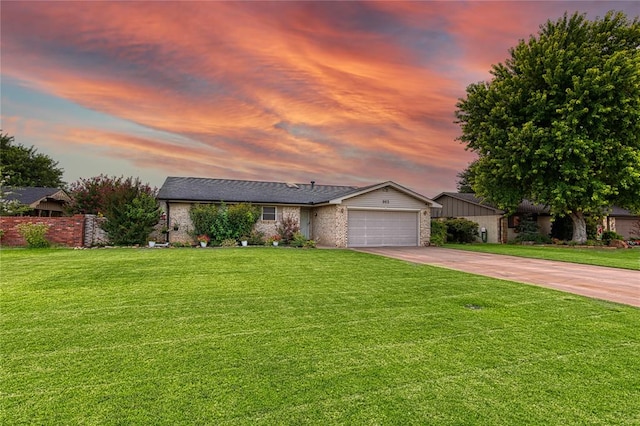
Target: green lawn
(285, 336)
(615, 258)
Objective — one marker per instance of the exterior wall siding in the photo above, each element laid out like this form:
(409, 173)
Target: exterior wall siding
(385, 198)
(491, 223)
(179, 213)
(324, 222)
(628, 227)
(269, 227)
(452, 207)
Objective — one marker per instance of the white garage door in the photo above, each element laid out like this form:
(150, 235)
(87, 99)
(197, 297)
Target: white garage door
(374, 228)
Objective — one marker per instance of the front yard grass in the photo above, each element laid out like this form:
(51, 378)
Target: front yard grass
(615, 258)
(284, 336)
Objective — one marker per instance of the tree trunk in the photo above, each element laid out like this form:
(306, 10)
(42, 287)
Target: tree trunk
(579, 227)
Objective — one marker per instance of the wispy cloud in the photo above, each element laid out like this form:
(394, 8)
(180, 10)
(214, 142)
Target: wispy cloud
(352, 92)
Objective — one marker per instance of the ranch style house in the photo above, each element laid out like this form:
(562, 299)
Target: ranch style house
(384, 214)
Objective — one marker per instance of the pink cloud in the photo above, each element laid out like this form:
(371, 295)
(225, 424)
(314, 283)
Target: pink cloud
(354, 92)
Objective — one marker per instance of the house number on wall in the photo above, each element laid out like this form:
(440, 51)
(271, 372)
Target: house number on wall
(385, 201)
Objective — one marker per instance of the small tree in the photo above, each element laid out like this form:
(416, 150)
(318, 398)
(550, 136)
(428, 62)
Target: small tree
(528, 230)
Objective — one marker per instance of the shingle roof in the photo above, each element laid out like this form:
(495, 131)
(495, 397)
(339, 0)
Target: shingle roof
(239, 191)
(619, 211)
(31, 195)
(525, 206)
(469, 198)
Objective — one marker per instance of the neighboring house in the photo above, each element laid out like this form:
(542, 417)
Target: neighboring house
(385, 214)
(623, 222)
(501, 228)
(44, 202)
(468, 206)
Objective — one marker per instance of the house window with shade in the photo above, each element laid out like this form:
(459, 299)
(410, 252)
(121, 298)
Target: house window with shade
(268, 213)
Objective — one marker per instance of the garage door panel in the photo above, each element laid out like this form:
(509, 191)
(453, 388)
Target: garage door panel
(369, 228)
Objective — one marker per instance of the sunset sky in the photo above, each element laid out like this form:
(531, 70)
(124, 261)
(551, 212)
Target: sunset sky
(348, 93)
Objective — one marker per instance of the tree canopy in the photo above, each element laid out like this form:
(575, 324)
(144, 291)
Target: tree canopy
(466, 179)
(24, 166)
(559, 122)
(129, 206)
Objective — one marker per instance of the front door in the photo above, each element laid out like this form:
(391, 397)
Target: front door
(305, 223)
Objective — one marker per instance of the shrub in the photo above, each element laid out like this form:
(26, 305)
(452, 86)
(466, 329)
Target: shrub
(461, 230)
(242, 218)
(203, 217)
(287, 229)
(131, 215)
(178, 244)
(298, 240)
(608, 236)
(224, 222)
(256, 238)
(221, 229)
(229, 242)
(529, 231)
(309, 244)
(592, 227)
(34, 234)
(438, 232)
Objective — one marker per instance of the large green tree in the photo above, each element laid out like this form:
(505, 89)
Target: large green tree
(24, 166)
(559, 122)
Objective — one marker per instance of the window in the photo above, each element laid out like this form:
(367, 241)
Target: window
(514, 221)
(268, 213)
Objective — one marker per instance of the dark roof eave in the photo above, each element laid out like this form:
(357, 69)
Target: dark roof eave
(189, 201)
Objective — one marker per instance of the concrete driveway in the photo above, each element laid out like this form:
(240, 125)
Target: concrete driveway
(616, 285)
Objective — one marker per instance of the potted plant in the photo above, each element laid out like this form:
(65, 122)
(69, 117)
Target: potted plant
(275, 239)
(152, 243)
(203, 239)
(176, 226)
(244, 240)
